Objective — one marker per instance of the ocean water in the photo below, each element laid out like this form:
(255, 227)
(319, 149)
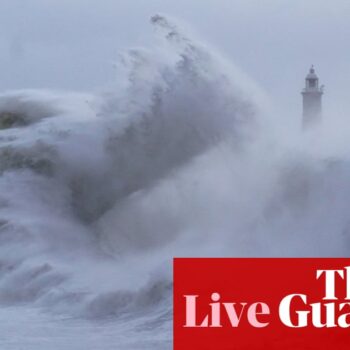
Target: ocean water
(182, 157)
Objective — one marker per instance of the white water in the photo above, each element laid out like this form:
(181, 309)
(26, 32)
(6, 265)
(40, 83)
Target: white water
(182, 158)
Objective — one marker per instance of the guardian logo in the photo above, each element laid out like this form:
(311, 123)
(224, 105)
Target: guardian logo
(261, 304)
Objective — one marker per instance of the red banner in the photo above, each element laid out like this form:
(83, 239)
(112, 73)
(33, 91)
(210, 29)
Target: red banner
(229, 304)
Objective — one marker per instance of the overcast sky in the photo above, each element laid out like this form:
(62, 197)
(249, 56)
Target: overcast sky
(71, 44)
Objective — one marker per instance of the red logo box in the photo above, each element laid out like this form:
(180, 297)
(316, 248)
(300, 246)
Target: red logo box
(229, 304)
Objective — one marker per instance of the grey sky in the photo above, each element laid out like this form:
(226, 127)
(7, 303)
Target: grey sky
(70, 44)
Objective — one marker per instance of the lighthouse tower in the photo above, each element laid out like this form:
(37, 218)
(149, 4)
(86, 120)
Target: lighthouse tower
(312, 100)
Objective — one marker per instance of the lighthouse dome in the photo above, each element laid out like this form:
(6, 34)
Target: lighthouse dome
(312, 74)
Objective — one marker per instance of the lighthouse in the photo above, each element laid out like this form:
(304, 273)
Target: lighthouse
(312, 100)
